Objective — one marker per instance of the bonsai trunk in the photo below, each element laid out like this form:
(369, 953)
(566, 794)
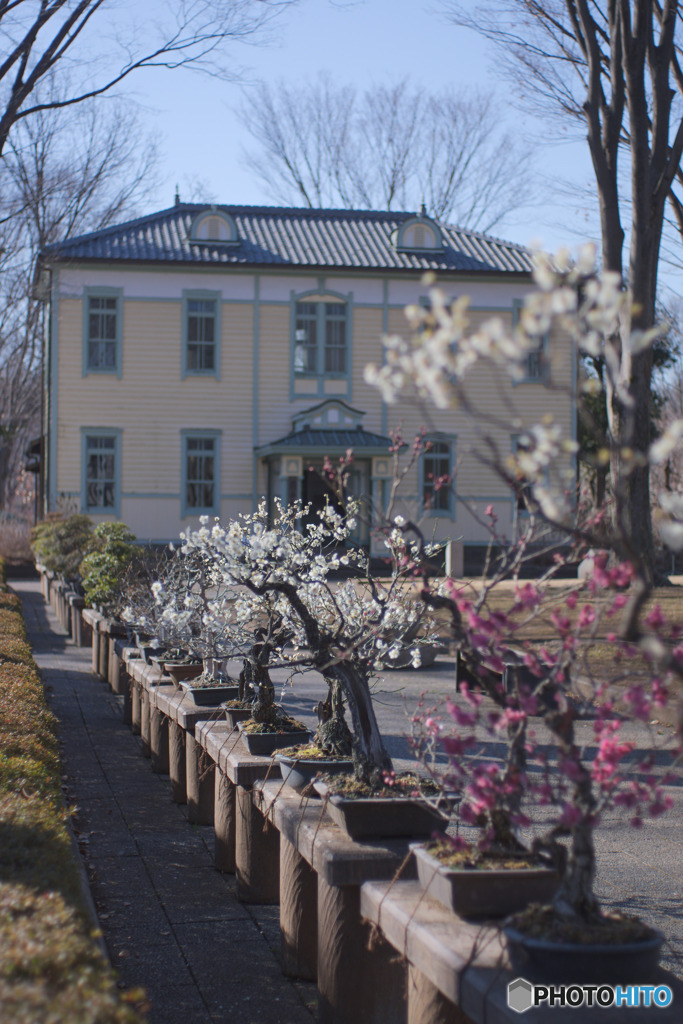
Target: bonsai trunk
(500, 819)
(264, 711)
(333, 735)
(575, 897)
(369, 755)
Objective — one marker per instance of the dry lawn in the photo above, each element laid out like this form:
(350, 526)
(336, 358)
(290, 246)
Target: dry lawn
(600, 661)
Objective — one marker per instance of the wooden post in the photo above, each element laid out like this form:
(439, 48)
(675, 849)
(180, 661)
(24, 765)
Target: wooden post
(224, 823)
(158, 740)
(200, 776)
(144, 720)
(76, 620)
(115, 667)
(95, 661)
(103, 667)
(355, 983)
(427, 1005)
(86, 631)
(176, 763)
(127, 684)
(298, 914)
(135, 706)
(257, 853)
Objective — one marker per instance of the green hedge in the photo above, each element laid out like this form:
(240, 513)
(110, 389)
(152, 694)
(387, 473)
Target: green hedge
(51, 968)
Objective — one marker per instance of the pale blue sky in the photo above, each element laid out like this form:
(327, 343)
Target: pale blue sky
(202, 136)
(371, 41)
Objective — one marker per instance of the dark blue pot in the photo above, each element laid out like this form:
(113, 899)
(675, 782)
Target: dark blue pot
(568, 962)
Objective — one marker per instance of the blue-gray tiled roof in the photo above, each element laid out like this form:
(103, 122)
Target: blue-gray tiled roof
(330, 440)
(280, 237)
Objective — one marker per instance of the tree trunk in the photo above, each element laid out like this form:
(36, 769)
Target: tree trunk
(575, 897)
(369, 752)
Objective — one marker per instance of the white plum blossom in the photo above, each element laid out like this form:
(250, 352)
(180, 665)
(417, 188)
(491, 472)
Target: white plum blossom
(661, 449)
(671, 533)
(671, 528)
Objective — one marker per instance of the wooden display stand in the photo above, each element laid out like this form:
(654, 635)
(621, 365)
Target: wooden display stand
(358, 979)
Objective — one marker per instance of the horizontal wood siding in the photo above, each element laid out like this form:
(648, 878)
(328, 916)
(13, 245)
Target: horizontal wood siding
(151, 402)
(275, 408)
(367, 348)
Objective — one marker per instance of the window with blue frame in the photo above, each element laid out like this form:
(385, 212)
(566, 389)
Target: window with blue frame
(437, 482)
(200, 483)
(201, 332)
(320, 338)
(102, 331)
(536, 362)
(101, 472)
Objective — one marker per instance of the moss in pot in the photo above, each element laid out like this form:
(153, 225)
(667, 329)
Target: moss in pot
(385, 804)
(330, 751)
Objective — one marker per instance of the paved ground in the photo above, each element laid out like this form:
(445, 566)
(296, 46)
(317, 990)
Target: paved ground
(171, 922)
(169, 918)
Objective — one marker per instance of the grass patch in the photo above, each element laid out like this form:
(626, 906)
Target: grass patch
(51, 968)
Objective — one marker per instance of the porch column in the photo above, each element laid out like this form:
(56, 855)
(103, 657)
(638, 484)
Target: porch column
(382, 470)
(291, 475)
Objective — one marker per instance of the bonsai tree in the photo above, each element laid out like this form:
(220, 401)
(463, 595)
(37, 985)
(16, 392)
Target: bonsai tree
(103, 568)
(606, 630)
(282, 572)
(174, 607)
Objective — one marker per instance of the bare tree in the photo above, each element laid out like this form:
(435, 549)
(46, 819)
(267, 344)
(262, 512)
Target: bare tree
(390, 147)
(612, 66)
(64, 172)
(43, 37)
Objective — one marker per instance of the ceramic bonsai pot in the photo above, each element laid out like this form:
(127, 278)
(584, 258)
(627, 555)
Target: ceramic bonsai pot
(235, 715)
(208, 696)
(558, 962)
(262, 744)
(180, 671)
(382, 816)
(147, 652)
(299, 772)
(484, 892)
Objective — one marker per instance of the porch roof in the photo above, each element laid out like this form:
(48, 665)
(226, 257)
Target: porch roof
(327, 442)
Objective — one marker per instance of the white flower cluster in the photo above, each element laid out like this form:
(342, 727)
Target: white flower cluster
(261, 572)
(671, 525)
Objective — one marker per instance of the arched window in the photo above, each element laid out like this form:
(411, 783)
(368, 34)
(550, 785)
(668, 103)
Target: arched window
(419, 233)
(214, 226)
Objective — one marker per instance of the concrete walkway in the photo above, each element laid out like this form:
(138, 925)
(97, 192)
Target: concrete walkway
(171, 922)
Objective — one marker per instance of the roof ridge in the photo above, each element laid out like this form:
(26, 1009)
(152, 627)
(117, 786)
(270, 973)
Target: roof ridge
(110, 229)
(293, 236)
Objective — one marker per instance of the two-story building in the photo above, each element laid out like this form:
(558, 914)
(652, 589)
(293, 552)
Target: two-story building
(203, 357)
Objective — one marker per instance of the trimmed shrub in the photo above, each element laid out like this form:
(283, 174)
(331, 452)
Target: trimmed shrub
(52, 970)
(104, 567)
(61, 544)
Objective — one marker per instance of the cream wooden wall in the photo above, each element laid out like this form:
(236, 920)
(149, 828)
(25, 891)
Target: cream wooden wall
(151, 404)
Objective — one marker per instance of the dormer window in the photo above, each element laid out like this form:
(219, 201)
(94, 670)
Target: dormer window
(214, 227)
(419, 234)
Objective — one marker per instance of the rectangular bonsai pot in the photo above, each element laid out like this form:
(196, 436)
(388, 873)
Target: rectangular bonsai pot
(479, 892)
(382, 816)
(179, 671)
(262, 744)
(235, 715)
(209, 696)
